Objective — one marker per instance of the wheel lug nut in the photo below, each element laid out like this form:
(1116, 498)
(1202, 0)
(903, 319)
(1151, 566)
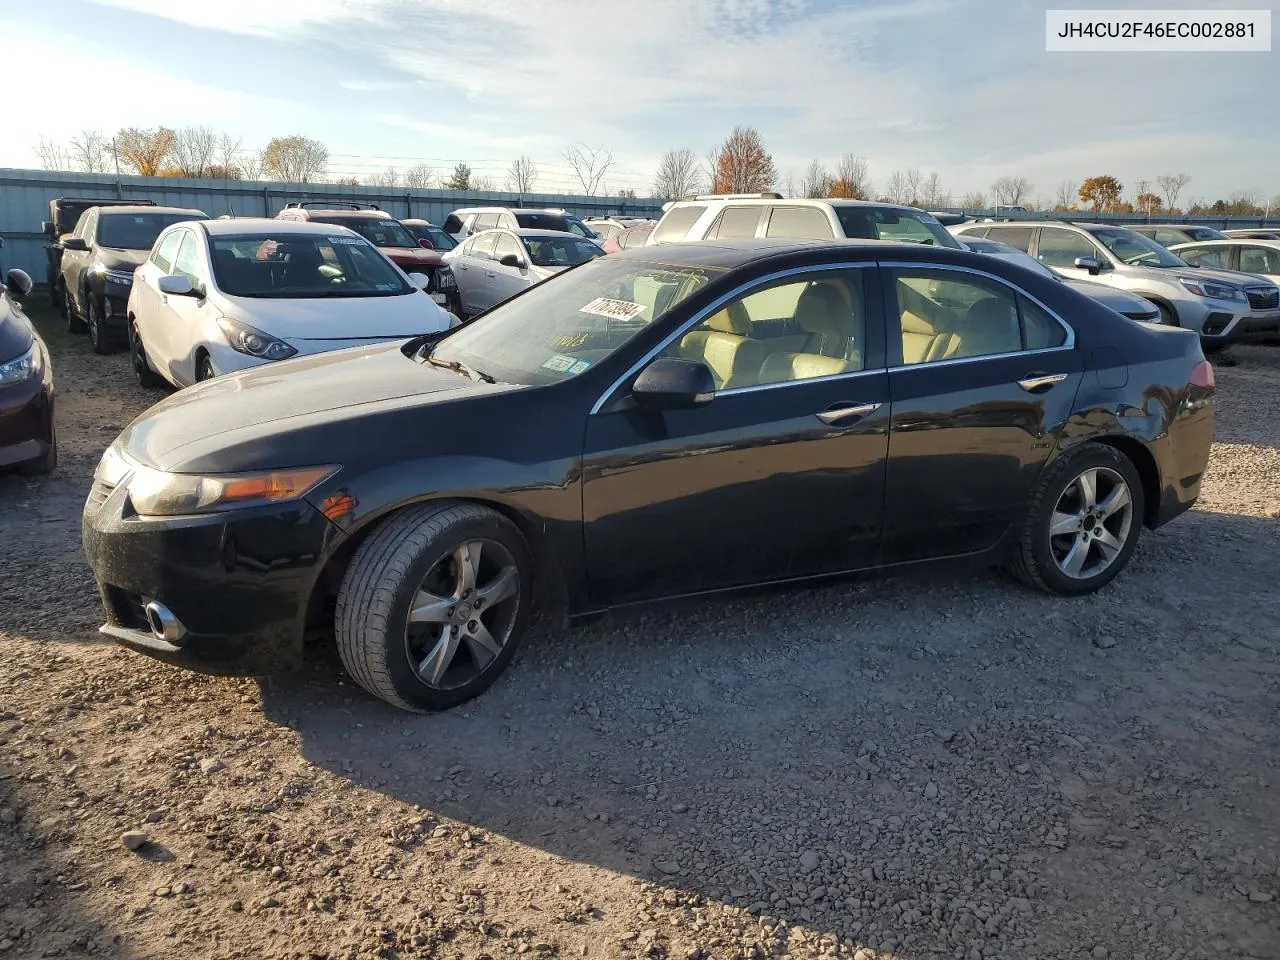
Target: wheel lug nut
(473, 626)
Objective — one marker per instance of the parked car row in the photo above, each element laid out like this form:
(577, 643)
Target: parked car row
(28, 439)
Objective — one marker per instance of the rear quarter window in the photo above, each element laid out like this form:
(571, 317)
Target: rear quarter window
(675, 225)
(799, 223)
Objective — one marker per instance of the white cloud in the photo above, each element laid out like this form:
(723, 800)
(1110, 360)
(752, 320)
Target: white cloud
(269, 18)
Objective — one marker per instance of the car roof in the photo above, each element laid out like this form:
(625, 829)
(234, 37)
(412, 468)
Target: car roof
(342, 212)
(137, 208)
(558, 210)
(795, 201)
(1229, 241)
(731, 254)
(1173, 226)
(532, 232)
(267, 226)
(418, 222)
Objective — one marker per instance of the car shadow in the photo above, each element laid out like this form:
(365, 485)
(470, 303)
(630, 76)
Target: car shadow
(739, 748)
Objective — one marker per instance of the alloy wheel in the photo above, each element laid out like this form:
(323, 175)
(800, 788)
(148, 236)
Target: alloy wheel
(95, 324)
(1091, 523)
(137, 351)
(463, 614)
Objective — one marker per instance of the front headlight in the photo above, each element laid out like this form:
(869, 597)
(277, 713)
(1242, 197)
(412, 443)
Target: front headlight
(155, 493)
(23, 368)
(252, 341)
(1216, 291)
(122, 277)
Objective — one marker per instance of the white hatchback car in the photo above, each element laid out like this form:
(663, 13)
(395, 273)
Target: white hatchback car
(223, 295)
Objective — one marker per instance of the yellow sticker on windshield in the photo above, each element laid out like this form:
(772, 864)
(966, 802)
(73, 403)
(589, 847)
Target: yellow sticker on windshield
(613, 309)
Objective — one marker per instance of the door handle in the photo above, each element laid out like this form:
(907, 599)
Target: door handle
(842, 412)
(1040, 381)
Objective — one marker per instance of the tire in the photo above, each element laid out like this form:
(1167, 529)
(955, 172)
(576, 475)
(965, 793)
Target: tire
(1040, 556)
(384, 651)
(138, 359)
(46, 464)
(1167, 316)
(99, 336)
(74, 323)
(204, 369)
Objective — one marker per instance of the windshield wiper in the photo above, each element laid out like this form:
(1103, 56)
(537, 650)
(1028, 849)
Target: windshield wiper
(457, 366)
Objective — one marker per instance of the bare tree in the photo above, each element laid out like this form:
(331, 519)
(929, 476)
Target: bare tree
(419, 177)
(389, 178)
(1011, 191)
(194, 150)
(896, 188)
(144, 150)
(788, 186)
(816, 182)
(851, 180)
(974, 200)
(90, 151)
(1065, 198)
(295, 159)
(52, 155)
(679, 175)
(522, 175)
(483, 183)
(914, 183)
(347, 182)
(589, 165)
(227, 151)
(1171, 185)
(931, 192)
(250, 164)
(741, 164)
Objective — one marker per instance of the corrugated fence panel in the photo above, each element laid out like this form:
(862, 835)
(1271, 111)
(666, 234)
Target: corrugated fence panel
(25, 196)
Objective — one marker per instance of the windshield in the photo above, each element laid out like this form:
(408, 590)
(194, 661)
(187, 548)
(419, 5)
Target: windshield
(560, 251)
(286, 266)
(995, 248)
(910, 226)
(429, 231)
(136, 231)
(1206, 233)
(563, 326)
(1135, 249)
(552, 221)
(379, 232)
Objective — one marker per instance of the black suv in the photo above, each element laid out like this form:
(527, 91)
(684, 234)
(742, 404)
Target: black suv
(64, 214)
(98, 260)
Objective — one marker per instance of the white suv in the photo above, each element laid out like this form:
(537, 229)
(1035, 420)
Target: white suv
(463, 223)
(726, 216)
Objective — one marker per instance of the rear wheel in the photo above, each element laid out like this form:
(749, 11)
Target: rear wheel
(1083, 523)
(138, 358)
(99, 336)
(74, 323)
(434, 605)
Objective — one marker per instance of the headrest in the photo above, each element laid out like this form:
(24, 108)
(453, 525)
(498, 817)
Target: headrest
(992, 312)
(821, 309)
(732, 319)
(914, 323)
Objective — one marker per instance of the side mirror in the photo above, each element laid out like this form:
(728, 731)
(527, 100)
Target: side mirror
(178, 286)
(73, 243)
(18, 282)
(420, 280)
(1092, 264)
(426, 244)
(511, 260)
(672, 384)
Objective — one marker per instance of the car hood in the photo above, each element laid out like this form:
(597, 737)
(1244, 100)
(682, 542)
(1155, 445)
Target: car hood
(254, 407)
(114, 258)
(1232, 277)
(410, 258)
(339, 318)
(1117, 300)
(16, 335)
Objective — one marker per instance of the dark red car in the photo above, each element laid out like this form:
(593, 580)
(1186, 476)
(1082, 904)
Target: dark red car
(390, 236)
(27, 439)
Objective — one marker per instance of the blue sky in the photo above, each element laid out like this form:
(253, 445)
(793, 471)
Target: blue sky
(963, 87)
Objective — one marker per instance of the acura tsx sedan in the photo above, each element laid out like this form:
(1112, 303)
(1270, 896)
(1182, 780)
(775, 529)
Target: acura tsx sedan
(661, 422)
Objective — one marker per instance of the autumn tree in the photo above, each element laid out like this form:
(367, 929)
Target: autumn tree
(1171, 185)
(295, 159)
(679, 175)
(741, 164)
(851, 180)
(589, 164)
(1148, 202)
(1011, 191)
(460, 179)
(1101, 191)
(145, 151)
(816, 182)
(522, 175)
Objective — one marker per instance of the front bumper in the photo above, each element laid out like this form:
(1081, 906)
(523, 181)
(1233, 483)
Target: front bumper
(239, 581)
(26, 418)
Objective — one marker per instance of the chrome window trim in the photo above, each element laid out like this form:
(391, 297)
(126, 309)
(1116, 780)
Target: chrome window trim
(986, 356)
(755, 388)
(716, 305)
(1071, 332)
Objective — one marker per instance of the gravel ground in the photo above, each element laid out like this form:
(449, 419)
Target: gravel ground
(936, 766)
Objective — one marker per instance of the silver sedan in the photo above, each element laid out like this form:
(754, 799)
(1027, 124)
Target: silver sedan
(494, 266)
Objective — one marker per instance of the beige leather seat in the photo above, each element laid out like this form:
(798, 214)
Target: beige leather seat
(823, 312)
(725, 346)
(991, 326)
(923, 343)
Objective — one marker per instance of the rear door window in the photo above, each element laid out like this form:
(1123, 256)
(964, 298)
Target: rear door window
(485, 221)
(735, 223)
(1019, 237)
(675, 225)
(799, 223)
(1209, 257)
(1259, 260)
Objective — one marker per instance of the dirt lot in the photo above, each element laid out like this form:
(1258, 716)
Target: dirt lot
(945, 766)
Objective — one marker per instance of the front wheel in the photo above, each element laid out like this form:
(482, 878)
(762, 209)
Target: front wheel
(1083, 523)
(99, 337)
(204, 369)
(434, 605)
(74, 323)
(138, 358)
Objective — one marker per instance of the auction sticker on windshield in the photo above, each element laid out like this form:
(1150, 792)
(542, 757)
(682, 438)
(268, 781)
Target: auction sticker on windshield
(613, 309)
(350, 241)
(563, 364)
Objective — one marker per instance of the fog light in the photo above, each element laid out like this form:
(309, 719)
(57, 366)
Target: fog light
(1215, 323)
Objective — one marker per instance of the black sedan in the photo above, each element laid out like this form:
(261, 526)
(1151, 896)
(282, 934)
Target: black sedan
(27, 439)
(656, 423)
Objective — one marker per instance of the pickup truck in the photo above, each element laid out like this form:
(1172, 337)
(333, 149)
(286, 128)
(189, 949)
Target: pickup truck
(64, 213)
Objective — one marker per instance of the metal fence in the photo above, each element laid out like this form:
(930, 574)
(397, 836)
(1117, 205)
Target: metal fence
(25, 196)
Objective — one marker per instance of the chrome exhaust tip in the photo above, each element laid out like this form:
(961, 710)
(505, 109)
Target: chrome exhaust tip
(164, 625)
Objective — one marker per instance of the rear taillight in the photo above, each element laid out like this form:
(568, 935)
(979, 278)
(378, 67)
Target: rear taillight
(1202, 375)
